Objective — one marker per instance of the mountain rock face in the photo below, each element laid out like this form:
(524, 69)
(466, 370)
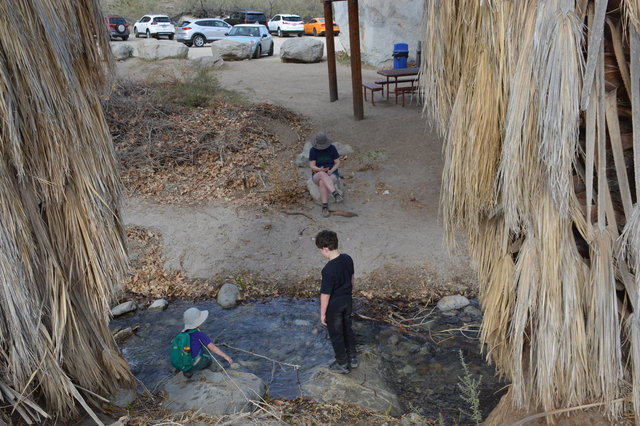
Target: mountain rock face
(382, 24)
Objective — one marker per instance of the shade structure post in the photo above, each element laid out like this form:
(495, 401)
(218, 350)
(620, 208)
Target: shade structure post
(331, 51)
(356, 68)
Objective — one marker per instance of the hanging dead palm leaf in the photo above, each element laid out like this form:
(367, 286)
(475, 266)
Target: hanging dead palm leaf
(61, 240)
(543, 182)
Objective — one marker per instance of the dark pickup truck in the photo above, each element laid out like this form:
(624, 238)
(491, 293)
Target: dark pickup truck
(247, 17)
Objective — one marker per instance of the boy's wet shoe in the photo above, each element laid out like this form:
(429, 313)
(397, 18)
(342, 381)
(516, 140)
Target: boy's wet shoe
(339, 368)
(325, 212)
(187, 374)
(353, 362)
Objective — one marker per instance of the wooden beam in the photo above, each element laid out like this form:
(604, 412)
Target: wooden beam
(356, 66)
(331, 51)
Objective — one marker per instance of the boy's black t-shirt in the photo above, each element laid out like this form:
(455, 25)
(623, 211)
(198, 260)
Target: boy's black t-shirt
(336, 276)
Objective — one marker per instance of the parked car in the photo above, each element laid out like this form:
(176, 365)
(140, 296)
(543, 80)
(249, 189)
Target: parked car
(154, 26)
(284, 25)
(247, 17)
(316, 27)
(254, 34)
(118, 27)
(200, 31)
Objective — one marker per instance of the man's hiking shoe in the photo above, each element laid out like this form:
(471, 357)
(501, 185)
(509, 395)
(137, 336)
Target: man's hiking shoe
(325, 212)
(338, 196)
(353, 362)
(339, 368)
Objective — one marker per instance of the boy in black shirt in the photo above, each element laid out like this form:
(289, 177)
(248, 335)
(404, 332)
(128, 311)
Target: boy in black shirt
(335, 301)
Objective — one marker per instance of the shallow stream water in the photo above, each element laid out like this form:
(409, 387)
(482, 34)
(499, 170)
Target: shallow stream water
(424, 374)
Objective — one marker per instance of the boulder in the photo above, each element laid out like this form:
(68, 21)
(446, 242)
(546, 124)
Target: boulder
(302, 49)
(123, 334)
(314, 191)
(413, 419)
(448, 303)
(124, 308)
(123, 397)
(382, 24)
(152, 50)
(302, 160)
(214, 393)
(228, 296)
(343, 148)
(473, 311)
(364, 386)
(230, 50)
(159, 305)
(208, 62)
(121, 51)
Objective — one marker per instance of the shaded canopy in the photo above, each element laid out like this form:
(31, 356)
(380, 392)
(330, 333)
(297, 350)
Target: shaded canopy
(537, 102)
(61, 240)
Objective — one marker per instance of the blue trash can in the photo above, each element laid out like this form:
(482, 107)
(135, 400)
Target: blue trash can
(400, 55)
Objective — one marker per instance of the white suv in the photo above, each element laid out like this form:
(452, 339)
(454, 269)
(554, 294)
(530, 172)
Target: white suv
(154, 26)
(285, 25)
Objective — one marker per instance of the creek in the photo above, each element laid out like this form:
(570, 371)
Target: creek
(423, 367)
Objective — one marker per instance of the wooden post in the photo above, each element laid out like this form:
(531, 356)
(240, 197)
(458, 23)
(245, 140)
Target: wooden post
(331, 51)
(356, 67)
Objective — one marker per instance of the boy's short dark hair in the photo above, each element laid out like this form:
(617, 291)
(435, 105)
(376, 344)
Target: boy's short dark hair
(328, 239)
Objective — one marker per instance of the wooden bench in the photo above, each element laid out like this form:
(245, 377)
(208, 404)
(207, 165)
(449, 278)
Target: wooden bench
(374, 88)
(383, 83)
(403, 90)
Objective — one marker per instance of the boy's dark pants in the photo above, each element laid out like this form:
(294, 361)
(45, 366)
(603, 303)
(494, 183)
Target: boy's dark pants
(339, 327)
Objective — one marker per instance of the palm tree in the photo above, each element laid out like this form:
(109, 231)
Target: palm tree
(61, 239)
(542, 176)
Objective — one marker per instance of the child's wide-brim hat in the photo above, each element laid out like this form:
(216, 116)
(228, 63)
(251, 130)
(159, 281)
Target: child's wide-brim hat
(194, 317)
(321, 141)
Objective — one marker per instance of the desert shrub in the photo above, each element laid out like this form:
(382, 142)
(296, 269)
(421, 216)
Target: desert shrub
(198, 91)
(470, 392)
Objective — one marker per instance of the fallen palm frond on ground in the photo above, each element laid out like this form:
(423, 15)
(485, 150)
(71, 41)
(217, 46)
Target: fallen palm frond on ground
(537, 102)
(176, 153)
(61, 241)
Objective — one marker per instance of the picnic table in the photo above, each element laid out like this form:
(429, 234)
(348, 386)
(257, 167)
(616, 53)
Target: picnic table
(397, 74)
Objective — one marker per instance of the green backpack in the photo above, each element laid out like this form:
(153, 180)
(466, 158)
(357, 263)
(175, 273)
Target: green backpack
(181, 351)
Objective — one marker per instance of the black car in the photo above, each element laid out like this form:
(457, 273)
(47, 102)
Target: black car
(247, 17)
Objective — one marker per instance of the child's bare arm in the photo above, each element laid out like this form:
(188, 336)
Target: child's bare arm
(213, 348)
(324, 302)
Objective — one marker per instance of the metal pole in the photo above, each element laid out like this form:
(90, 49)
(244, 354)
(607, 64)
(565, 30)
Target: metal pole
(331, 51)
(356, 67)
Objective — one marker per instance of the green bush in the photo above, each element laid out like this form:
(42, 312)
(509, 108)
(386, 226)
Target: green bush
(199, 92)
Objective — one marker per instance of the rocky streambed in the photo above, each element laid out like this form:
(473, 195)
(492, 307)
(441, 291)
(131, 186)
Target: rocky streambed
(412, 366)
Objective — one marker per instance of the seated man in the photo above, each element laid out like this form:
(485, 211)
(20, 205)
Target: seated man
(324, 161)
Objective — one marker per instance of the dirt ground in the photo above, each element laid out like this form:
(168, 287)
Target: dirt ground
(396, 196)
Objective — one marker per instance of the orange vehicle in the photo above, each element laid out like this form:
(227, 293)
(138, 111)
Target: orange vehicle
(316, 27)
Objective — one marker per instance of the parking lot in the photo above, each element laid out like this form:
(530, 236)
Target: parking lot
(196, 52)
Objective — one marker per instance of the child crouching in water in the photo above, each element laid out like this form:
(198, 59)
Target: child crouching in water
(200, 342)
